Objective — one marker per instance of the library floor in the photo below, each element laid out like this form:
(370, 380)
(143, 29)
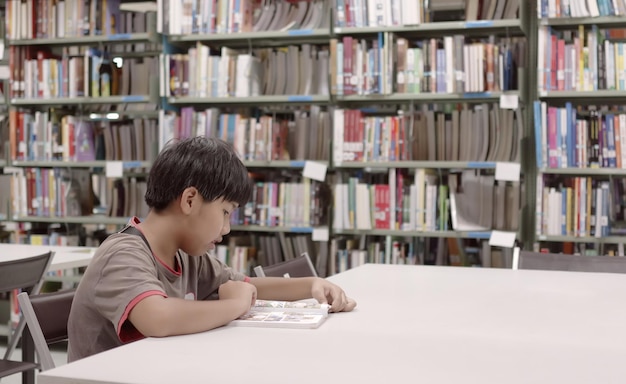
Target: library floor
(59, 354)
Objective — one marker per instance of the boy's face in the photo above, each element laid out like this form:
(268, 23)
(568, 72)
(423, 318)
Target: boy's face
(208, 223)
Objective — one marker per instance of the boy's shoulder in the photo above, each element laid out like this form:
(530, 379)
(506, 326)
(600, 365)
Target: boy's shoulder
(120, 244)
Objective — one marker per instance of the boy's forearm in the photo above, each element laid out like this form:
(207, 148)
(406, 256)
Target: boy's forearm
(280, 288)
(158, 316)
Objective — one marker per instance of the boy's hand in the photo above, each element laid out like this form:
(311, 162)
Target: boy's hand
(326, 292)
(238, 290)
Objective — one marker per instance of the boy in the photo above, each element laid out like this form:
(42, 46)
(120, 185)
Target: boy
(155, 278)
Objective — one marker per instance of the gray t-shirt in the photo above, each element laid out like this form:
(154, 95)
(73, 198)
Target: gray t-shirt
(123, 272)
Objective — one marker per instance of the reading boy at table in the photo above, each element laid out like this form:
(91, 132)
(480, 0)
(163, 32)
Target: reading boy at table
(156, 278)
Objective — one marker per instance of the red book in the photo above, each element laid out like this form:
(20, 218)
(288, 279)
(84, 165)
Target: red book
(381, 206)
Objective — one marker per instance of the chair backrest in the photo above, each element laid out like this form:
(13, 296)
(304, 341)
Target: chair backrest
(300, 266)
(565, 262)
(46, 316)
(23, 273)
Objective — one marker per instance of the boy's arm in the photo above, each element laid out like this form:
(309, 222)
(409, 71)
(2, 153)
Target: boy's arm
(289, 289)
(157, 316)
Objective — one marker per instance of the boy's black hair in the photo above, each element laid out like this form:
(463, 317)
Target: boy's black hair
(208, 164)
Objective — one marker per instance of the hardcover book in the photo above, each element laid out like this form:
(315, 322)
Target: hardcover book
(284, 314)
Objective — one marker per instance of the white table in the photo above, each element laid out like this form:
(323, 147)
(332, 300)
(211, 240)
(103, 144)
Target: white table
(64, 257)
(413, 324)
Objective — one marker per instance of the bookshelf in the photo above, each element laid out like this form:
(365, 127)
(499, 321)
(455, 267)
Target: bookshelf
(578, 193)
(83, 104)
(307, 109)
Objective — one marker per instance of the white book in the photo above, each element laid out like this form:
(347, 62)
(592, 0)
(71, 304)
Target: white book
(410, 12)
(622, 138)
(363, 207)
(338, 127)
(448, 44)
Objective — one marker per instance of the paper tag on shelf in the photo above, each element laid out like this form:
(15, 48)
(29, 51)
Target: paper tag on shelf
(114, 169)
(320, 234)
(509, 101)
(314, 170)
(4, 72)
(507, 171)
(502, 239)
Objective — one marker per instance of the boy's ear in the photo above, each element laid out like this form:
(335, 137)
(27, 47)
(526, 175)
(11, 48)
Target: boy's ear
(188, 198)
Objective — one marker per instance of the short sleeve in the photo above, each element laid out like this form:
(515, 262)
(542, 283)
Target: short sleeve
(211, 274)
(128, 276)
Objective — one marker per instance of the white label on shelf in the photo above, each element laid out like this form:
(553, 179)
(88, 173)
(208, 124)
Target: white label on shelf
(114, 169)
(4, 72)
(509, 101)
(320, 234)
(12, 170)
(502, 239)
(507, 171)
(314, 170)
(276, 212)
(21, 147)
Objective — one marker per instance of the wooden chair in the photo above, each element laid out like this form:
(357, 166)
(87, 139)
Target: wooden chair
(565, 262)
(46, 317)
(301, 266)
(26, 274)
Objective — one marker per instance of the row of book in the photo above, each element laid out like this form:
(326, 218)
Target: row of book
(50, 192)
(565, 138)
(577, 206)
(292, 201)
(65, 192)
(33, 19)
(424, 202)
(77, 72)
(244, 252)
(581, 248)
(452, 64)
(186, 17)
(482, 132)
(347, 253)
(580, 8)
(381, 13)
(298, 135)
(580, 60)
(291, 70)
(47, 135)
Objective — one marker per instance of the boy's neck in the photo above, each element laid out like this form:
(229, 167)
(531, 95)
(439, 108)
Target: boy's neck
(158, 229)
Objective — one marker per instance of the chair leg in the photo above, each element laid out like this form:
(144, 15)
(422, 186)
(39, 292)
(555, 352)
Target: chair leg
(28, 354)
(15, 337)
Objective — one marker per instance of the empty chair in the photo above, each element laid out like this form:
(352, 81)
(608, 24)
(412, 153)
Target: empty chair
(301, 266)
(565, 262)
(46, 317)
(25, 274)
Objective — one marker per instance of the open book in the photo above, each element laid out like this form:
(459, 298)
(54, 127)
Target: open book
(284, 314)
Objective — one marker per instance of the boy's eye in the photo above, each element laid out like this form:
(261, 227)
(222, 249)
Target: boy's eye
(226, 213)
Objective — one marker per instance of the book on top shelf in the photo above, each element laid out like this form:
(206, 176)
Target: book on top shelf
(284, 314)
